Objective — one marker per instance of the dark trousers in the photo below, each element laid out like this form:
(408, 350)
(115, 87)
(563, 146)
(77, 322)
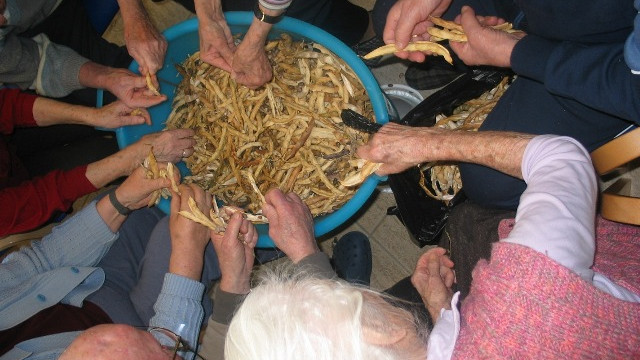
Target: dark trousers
(135, 267)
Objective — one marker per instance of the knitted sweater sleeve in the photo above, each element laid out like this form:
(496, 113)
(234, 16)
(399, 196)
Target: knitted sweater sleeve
(557, 210)
(48, 68)
(35, 201)
(179, 309)
(595, 75)
(16, 110)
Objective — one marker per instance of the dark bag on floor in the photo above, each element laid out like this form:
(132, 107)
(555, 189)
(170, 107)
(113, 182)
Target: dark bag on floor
(422, 215)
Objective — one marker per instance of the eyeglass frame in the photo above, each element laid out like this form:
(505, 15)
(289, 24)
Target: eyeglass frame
(179, 345)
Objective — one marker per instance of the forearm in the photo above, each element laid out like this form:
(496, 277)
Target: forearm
(502, 151)
(111, 217)
(207, 10)
(187, 261)
(94, 75)
(122, 163)
(48, 112)
(132, 11)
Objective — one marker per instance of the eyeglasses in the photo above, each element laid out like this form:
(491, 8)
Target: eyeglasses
(171, 342)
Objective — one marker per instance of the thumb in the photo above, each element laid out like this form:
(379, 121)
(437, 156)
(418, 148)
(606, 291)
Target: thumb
(175, 202)
(132, 120)
(151, 185)
(468, 20)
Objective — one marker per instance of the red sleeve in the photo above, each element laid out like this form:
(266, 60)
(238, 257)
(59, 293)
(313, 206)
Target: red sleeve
(16, 110)
(32, 203)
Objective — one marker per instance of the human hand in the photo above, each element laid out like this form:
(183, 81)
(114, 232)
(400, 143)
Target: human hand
(117, 114)
(399, 147)
(250, 66)
(484, 45)
(146, 45)
(188, 238)
(135, 192)
(290, 224)
(131, 88)
(433, 278)
(408, 20)
(170, 145)
(216, 43)
(235, 254)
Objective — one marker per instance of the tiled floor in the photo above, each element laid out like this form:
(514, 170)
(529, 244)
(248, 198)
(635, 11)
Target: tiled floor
(394, 254)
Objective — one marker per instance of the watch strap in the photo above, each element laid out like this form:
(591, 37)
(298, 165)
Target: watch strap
(260, 15)
(121, 209)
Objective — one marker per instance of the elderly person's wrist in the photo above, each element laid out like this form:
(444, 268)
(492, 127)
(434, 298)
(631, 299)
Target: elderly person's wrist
(235, 285)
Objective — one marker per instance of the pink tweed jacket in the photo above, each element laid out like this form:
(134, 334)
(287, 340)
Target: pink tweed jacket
(523, 304)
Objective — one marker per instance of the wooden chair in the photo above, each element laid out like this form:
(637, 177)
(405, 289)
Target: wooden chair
(616, 202)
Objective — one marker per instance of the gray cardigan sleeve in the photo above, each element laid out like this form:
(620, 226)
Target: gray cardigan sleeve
(38, 64)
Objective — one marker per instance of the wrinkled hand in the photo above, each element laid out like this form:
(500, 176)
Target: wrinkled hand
(397, 147)
(408, 20)
(118, 114)
(131, 89)
(135, 191)
(485, 46)
(433, 278)
(216, 42)
(146, 45)
(290, 224)
(235, 254)
(169, 145)
(250, 66)
(185, 232)
(188, 238)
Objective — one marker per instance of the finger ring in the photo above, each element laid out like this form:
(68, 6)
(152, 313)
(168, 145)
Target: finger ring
(184, 153)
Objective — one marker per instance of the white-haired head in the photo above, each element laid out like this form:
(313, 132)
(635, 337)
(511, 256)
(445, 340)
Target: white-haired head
(301, 317)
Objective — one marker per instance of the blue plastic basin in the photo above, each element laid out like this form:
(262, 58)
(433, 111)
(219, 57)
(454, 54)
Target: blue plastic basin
(183, 41)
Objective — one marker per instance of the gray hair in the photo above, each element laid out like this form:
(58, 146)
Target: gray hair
(298, 316)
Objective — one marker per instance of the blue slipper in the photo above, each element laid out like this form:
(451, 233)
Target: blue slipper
(352, 258)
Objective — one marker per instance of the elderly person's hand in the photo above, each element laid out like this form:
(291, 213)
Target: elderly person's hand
(135, 192)
(146, 45)
(117, 114)
(131, 88)
(170, 145)
(235, 254)
(216, 42)
(398, 147)
(188, 238)
(290, 224)
(433, 278)
(250, 66)
(408, 20)
(485, 46)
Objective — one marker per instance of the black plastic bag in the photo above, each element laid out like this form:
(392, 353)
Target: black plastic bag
(423, 216)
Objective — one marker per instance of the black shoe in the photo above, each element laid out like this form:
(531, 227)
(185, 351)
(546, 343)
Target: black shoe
(433, 73)
(352, 258)
(367, 46)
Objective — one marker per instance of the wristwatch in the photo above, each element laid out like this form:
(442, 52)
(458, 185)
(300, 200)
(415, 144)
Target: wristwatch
(260, 15)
